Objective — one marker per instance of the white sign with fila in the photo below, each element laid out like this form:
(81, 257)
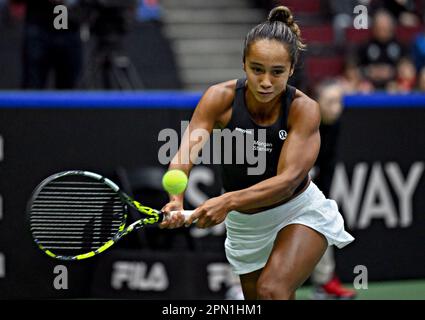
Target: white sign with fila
(220, 275)
(136, 275)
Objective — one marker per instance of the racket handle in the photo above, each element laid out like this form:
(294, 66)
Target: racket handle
(185, 213)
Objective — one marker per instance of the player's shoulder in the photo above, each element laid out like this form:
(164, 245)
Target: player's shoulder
(222, 92)
(218, 98)
(304, 108)
(302, 100)
(303, 103)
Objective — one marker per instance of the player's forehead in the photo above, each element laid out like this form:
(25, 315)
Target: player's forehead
(268, 53)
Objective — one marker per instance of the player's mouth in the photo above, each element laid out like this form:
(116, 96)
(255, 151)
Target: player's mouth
(265, 94)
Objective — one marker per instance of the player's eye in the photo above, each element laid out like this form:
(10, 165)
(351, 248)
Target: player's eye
(257, 70)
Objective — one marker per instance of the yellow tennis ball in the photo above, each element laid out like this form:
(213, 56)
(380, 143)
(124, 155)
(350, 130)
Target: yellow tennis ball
(174, 181)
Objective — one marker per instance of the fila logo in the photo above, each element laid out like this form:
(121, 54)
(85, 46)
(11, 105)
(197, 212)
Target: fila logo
(138, 275)
(282, 134)
(220, 275)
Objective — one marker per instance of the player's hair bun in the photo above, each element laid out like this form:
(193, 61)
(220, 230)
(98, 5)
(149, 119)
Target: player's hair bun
(284, 14)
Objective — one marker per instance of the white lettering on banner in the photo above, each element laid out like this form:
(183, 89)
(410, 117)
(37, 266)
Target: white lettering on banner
(348, 198)
(219, 274)
(378, 202)
(406, 189)
(383, 208)
(2, 265)
(195, 196)
(137, 276)
(199, 176)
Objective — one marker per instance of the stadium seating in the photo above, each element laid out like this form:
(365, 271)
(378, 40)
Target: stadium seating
(407, 34)
(322, 34)
(320, 68)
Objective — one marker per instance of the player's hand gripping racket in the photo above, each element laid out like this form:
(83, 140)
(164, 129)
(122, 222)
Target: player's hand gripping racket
(75, 215)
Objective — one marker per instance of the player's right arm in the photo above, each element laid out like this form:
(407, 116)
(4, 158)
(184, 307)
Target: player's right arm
(213, 110)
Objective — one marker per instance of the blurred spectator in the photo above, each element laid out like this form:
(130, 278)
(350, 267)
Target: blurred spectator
(418, 51)
(403, 11)
(406, 77)
(329, 96)
(11, 13)
(352, 80)
(421, 80)
(379, 56)
(47, 49)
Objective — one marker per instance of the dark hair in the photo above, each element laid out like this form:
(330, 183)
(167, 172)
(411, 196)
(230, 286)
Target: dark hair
(280, 26)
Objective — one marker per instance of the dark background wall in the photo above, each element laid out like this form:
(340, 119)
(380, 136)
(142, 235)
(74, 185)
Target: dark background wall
(144, 44)
(40, 141)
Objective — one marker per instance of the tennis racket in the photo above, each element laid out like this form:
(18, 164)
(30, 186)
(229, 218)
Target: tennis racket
(75, 215)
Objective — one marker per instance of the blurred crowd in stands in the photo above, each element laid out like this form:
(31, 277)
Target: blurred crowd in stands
(388, 55)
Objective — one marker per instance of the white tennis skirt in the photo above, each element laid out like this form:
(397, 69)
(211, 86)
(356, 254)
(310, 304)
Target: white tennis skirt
(250, 237)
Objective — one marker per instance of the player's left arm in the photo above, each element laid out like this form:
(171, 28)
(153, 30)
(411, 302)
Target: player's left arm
(297, 157)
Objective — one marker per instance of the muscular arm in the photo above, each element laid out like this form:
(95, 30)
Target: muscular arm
(209, 112)
(297, 157)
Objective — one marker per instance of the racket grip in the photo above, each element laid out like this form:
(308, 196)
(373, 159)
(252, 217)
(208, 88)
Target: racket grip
(185, 213)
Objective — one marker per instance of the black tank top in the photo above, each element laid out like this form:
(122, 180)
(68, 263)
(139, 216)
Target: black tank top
(235, 175)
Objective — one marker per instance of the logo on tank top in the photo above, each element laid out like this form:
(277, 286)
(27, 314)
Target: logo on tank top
(243, 130)
(282, 134)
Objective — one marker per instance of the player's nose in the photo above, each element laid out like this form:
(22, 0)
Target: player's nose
(265, 82)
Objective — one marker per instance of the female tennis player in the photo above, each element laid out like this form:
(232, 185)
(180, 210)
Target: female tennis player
(279, 223)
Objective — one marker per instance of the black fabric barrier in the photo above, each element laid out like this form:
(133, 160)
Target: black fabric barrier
(138, 274)
(379, 184)
(383, 149)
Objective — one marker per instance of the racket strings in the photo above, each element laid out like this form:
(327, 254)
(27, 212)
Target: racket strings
(73, 215)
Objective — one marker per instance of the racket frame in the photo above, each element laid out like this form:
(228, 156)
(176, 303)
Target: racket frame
(151, 216)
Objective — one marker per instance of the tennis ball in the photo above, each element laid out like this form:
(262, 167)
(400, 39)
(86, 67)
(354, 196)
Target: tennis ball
(174, 181)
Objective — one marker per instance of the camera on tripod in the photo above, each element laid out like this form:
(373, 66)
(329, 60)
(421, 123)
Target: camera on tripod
(110, 68)
(109, 18)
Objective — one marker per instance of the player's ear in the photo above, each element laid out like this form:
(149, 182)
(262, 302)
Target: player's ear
(291, 72)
